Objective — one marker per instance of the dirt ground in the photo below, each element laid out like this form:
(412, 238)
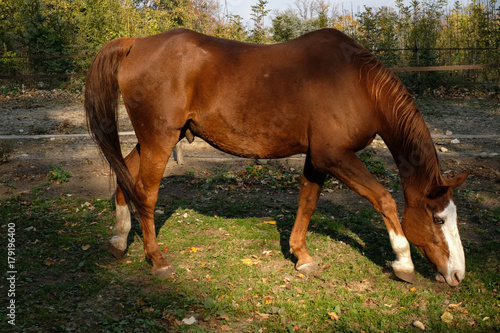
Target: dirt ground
(466, 131)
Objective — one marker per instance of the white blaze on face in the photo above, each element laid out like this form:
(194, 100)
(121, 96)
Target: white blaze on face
(456, 261)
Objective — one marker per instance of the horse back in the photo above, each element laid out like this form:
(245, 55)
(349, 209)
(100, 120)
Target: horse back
(272, 100)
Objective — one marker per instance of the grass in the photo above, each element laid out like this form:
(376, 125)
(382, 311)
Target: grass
(228, 239)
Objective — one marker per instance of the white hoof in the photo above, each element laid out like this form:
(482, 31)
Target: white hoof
(118, 243)
(308, 268)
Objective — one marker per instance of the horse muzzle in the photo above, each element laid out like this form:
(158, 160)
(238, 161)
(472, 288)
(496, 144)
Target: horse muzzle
(453, 278)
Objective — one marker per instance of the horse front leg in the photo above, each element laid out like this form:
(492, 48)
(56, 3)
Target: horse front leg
(310, 190)
(353, 173)
(118, 243)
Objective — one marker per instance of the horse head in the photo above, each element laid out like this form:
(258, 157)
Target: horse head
(430, 223)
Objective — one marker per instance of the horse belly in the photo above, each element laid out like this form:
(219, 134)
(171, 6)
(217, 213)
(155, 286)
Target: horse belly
(253, 137)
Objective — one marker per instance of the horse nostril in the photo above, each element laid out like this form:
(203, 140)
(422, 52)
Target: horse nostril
(457, 276)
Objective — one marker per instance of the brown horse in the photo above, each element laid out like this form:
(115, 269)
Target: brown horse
(321, 94)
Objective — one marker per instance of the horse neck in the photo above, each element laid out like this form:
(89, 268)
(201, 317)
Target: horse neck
(411, 145)
(403, 129)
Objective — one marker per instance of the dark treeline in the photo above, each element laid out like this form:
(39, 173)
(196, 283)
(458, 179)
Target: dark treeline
(34, 34)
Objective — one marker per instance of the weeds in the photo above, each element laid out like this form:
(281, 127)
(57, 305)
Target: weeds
(376, 167)
(59, 175)
(5, 151)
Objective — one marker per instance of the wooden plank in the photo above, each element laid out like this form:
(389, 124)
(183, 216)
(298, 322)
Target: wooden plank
(443, 68)
(55, 136)
(41, 76)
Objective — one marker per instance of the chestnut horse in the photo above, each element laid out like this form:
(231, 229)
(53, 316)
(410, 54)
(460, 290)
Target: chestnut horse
(321, 94)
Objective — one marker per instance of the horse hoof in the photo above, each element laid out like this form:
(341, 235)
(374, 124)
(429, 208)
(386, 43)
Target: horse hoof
(117, 253)
(406, 276)
(166, 272)
(307, 268)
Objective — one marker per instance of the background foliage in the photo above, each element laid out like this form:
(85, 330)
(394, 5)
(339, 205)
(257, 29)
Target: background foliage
(40, 36)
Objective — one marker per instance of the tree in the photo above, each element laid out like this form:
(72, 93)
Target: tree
(259, 33)
(377, 32)
(288, 25)
(233, 29)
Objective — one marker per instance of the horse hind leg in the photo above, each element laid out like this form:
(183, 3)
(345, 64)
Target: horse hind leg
(310, 190)
(153, 160)
(118, 243)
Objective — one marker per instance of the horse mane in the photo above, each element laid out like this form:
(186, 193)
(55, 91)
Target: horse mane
(406, 133)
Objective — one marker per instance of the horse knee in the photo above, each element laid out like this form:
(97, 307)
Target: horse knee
(386, 205)
(147, 196)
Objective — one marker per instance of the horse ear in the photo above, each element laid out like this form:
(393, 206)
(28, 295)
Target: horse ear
(458, 180)
(438, 191)
(452, 183)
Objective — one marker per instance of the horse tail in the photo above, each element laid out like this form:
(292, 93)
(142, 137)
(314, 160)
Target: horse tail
(101, 108)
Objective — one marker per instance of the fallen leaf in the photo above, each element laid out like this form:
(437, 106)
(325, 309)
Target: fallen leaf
(195, 249)
(165, 249)
(419, 324)
(49, 262)
(447, 317)
(250, 262)
(454, 306)
(225, 328)
(85, 247)
(413, 289)
(141, 301)
(263, 315)
(269, 222)
(189, 321)
(333, 316)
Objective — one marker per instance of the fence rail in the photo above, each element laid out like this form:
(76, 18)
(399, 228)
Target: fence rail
(41, 76)
(443, 68)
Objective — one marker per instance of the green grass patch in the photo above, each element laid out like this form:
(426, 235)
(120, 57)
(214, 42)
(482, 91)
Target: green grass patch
(234, 272)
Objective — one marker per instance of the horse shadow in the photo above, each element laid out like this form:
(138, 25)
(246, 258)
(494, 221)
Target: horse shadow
(363, 230)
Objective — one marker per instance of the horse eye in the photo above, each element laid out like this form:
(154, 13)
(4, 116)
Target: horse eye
(438, 220)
